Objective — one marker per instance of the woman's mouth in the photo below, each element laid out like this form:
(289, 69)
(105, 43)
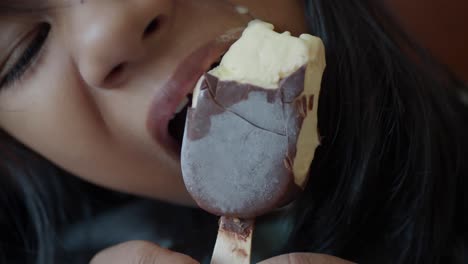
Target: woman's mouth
(168, 110)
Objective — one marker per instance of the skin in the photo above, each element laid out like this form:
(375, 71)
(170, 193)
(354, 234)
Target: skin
(86, 118)
(73, 107)
(147, 253)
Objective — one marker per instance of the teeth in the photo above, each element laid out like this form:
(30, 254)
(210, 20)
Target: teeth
(242, 10)
(182, 105)
(196, 91)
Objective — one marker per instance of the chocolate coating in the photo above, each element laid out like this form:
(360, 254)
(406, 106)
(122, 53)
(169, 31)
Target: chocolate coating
(240, 143)
(240, 228)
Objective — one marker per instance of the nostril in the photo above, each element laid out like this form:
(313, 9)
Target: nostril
(153, 26)
(115, 74)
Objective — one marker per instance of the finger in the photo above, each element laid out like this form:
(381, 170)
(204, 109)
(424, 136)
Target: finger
(305, 258)
(140, 252)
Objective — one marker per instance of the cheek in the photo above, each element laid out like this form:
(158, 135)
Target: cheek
(51, 114)
(286, 15)
(55, 115)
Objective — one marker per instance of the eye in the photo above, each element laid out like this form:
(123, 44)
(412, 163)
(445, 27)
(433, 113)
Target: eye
(28, 56)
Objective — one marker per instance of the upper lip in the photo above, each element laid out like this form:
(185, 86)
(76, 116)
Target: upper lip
(181, 83)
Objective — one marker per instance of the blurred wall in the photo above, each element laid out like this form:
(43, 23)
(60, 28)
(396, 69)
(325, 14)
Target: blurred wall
(439, 25)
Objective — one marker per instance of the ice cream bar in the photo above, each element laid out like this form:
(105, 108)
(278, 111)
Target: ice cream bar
(251, 132)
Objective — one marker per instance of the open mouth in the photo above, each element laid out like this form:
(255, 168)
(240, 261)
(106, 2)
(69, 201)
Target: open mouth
(168, 110)
(176, 125)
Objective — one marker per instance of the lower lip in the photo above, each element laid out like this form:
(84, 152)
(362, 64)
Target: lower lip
(177, 87)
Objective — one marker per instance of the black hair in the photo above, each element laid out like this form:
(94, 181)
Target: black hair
(50, 216)
(388, 181)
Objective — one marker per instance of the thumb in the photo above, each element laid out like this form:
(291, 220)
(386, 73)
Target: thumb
(305, 258)
(140, 252)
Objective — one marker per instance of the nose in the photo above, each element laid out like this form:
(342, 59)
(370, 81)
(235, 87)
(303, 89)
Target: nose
(109, 36)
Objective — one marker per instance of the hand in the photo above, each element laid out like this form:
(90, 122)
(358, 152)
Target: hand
(305, 258)
(140, 252)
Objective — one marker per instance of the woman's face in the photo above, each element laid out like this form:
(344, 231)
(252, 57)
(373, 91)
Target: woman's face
(98, 95)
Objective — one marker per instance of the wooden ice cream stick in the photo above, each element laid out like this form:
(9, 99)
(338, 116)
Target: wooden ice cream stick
(234, 241)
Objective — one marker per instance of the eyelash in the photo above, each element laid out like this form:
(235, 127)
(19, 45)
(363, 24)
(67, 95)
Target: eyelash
(28, 57)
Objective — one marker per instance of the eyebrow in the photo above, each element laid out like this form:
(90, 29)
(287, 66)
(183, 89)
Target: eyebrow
(14, 7)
